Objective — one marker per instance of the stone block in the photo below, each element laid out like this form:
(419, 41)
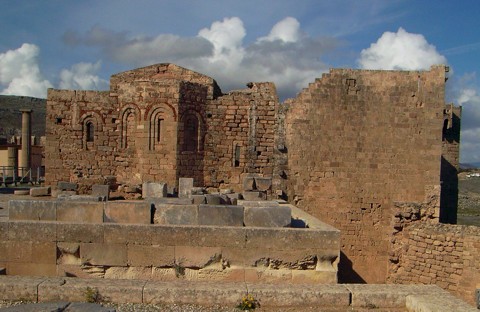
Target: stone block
(171, 200)
(31, 269)
(80, 212)
(213, 199)
(224, 215)
(268, 216)
(73, 289)
(154, 190)
(254, 195)
(262, 275)
(148, 255)
(248, 184)
(198, 199)
(128, 273)
(21, 192)
(185, 186)
(198, 191)
(103, 254)
(19, 287)
(176, 214)
(197, 257)
(102, 191)
(80, 198)
(128, 212)
(263, 184)
(81, 233)
(32, 231)
(40, 191)
(67, 186)
(32, 210)
(59, 193)
(313, 277)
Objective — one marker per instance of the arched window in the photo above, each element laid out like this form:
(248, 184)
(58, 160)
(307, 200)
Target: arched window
(90, 131)
(190, 127)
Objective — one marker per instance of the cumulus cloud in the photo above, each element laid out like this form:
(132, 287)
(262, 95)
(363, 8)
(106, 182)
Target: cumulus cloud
(20, 72)
(400, 51)
(82, 76)
(286, 56)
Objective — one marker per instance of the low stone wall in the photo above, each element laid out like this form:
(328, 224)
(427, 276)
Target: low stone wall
(441, 254)
(345, 297)
(169, 252)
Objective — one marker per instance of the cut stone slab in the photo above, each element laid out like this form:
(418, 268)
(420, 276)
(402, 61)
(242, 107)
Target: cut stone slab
(213, 199)
(228, 215)
(67, 186)
(80, 212)
(154, 190)
(21, 192)
(80, 198)
(185, 186)
(198, 199)
(176, 214)
(263, 184)
(254, 195)
(171, 200)
(248, 183)
(43, 210)
(127, 212)
(102, 191)
(260, 214)
(40, 191)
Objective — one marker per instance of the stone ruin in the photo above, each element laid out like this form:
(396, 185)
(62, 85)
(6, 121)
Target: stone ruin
(373, 153)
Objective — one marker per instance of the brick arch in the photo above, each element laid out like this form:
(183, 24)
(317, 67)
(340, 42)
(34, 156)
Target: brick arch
(91, 125)
(156, 117)
(126, 129)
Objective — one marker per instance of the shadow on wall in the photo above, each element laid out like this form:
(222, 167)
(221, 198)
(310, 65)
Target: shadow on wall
(449, 192)
(346, 273)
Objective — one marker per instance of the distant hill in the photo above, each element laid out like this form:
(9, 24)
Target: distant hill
(473, 165)
(11, 117)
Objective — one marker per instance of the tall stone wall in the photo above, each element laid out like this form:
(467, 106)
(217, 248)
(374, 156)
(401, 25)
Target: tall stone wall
(441, 254)
(240, 135)
(357, 142)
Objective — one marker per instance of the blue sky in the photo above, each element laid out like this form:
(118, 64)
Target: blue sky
(79, 44)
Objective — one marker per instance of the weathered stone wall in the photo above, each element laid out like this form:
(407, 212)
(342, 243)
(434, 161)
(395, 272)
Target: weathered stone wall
(357, 142)
(441, 254)
(167, 253)
(240, 135)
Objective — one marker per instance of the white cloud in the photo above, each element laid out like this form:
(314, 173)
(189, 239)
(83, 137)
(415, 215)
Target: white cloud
(400, 51)
(20, 73)
(82, 76)
(287, 30)
(286, 56)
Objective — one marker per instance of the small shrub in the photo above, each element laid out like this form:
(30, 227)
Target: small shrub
(248, 303)
(179, 270)
(92, 295)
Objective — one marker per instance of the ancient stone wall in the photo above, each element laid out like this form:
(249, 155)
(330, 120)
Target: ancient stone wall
(241, 126)
(441, 254)
(357, 142)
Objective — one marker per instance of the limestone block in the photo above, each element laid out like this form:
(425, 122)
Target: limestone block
(102, 191)
(80, 212)
(31, 269)
(128, 212)
(220, 215)
(128, 273)
(262, 275)
(40, 191)
(221, 236)
(81, 233)
(197, 257)
(104, 254)
(148, 255)
(198, 199)
(313, 277)
(154, 189)
(73, 289)
(32, 210)
(16, 287)
(59, 193)
(263, 184)
(32, 231)
(176, 214)
(254, 195)
(213, 199)
(67, 186)
(185, 186)
(80, 198)
(171, 200)
(249, 184)
(268, 216)
(21, 192)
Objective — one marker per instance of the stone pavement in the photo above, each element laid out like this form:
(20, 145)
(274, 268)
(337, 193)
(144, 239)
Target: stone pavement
(346, 297)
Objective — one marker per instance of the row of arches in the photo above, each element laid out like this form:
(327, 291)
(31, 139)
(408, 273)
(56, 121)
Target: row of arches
(160, 120)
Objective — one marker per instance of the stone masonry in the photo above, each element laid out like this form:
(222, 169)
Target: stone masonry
(348, 149)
